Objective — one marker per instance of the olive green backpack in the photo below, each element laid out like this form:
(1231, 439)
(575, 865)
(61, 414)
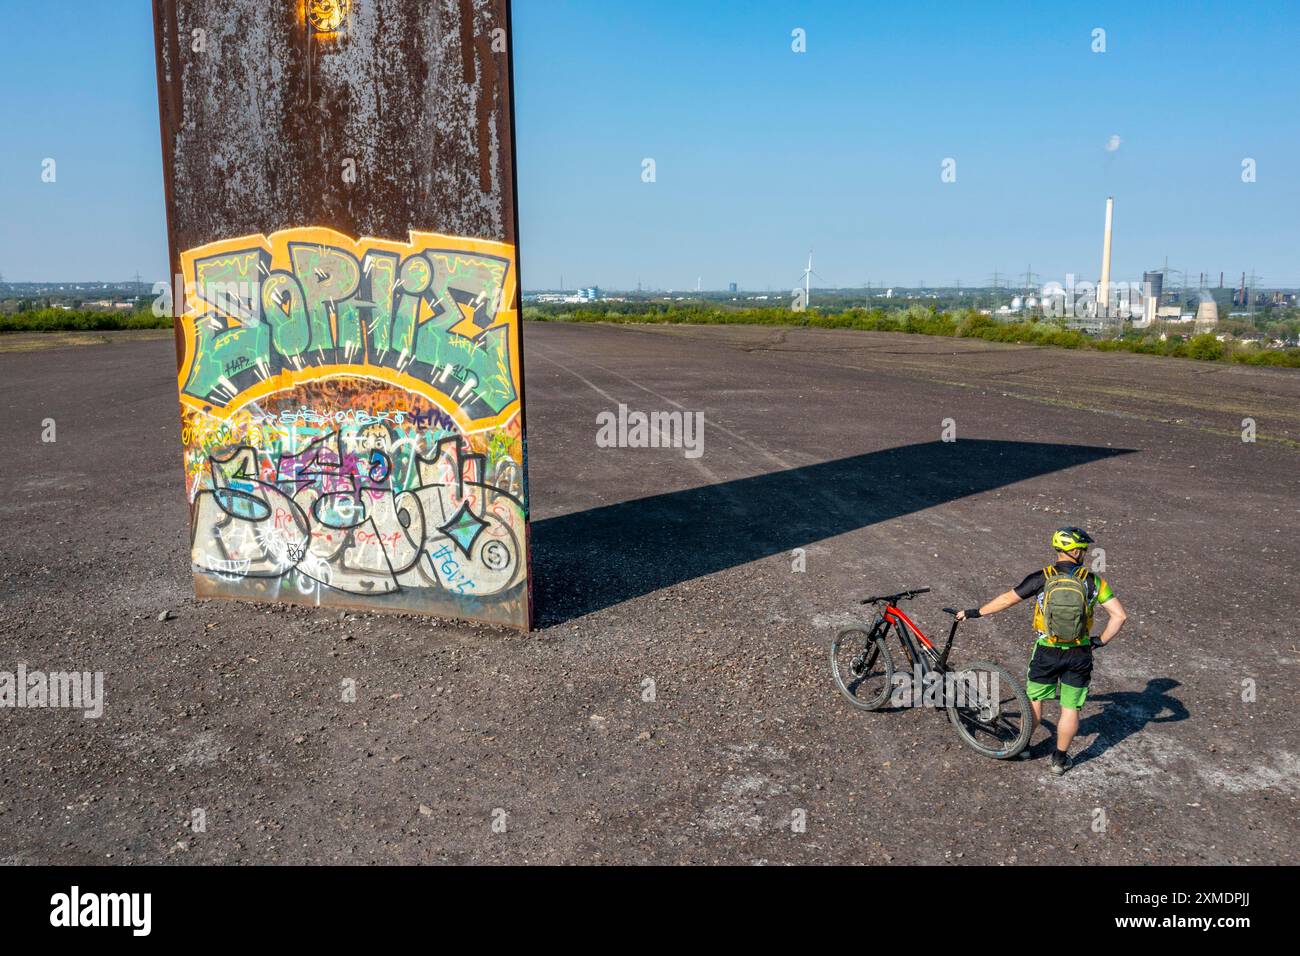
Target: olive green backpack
(1065, 618)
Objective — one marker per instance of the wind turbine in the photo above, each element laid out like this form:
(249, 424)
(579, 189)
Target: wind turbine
(808, 273)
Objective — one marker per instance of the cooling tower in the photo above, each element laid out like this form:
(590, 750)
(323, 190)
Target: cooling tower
(1207, 311)
(1153, 284)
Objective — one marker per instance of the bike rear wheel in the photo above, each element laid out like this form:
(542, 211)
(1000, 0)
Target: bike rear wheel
(989, 709)
(862, 667)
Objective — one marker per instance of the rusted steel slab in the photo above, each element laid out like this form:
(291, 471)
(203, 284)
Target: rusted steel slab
(341, 209)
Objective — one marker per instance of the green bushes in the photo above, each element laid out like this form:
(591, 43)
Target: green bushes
(860, 320)
(1205, 347)
(915, 320)
(65, 320)
(1290, 358)
(976, 326)
(922, 320)
(973, 324)
(928, 322)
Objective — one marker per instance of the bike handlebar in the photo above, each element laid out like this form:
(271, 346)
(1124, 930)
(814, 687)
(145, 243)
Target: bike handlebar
(891, 598)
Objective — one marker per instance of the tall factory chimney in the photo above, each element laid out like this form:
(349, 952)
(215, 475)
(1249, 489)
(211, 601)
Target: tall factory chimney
(1103, 287)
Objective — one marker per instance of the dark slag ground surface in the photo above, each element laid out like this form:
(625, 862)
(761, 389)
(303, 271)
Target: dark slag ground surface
(653, 566)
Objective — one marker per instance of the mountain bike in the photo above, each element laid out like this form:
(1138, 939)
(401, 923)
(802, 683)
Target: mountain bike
(988, 707)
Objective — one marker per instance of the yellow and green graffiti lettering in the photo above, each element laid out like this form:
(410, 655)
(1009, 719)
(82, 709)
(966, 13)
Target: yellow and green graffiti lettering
(434, 315)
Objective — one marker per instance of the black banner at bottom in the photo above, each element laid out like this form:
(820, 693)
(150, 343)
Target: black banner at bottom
(335, 905)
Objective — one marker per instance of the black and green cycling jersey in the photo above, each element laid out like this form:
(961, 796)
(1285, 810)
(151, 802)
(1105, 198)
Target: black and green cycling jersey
(1095, 585)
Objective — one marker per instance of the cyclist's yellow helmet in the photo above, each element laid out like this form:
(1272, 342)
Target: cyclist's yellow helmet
(1071, 539)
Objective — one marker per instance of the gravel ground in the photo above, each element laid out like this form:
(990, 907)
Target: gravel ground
(676, 705)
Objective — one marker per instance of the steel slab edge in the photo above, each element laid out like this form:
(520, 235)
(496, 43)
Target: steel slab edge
(341, 214)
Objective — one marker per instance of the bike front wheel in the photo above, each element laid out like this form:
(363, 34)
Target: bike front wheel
(990, 710)
(862, 667)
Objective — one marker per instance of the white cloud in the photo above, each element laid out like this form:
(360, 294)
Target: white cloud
(1112, 144)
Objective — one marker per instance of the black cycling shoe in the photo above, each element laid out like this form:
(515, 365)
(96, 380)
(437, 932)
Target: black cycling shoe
(1060, 763)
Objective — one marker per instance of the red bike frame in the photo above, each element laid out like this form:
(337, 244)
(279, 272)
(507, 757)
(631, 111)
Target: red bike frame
(895, 615)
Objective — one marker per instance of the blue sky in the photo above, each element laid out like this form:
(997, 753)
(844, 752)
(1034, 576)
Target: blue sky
(762, 153)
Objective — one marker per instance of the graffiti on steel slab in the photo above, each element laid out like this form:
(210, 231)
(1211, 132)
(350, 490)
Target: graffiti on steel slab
(350, 421)
(432, 315)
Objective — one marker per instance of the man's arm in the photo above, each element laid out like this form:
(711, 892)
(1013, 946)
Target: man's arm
(1000, 603)
(1115, 618)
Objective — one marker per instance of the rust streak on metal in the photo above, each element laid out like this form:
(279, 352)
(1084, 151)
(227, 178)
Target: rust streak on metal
(483, 51)
(467, 41)
(169, 115)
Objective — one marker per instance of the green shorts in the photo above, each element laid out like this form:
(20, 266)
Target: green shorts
(1070, 668)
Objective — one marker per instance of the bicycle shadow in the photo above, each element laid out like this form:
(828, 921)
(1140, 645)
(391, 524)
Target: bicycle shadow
(1126, 713)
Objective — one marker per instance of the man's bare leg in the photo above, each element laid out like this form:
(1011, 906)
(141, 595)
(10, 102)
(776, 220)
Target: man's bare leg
(1067, 728)
(1035, 718)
